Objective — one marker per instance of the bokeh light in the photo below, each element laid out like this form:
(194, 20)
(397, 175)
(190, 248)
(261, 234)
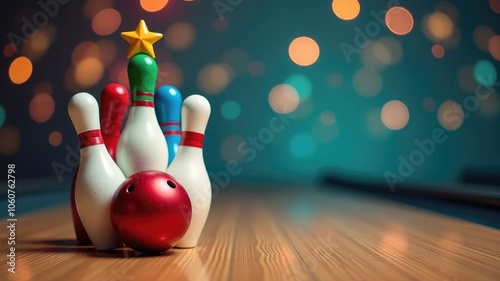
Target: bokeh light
(9, 140)
(438, 26)
(106, 22)
(383, 52)
(83, 50)
(3, 115)
(213, 79)
(168, 74)
(41, 107)
(220, 24)
(465, 78)
(325, 129)
(327, 117)
(494, 47)
(495, 6)
(229, 148)
(88, 72)
(395, 115)
(437, 51)
(92, 7)
(429, 104)
(346, 9)
(55, 138)
(485, 73)
(334, 79)
(107, 51)
(256, 68)
(179, 36)
(39, 43)
(20, 70)
(302, 85)
(450, 115)
(481, 36)
(283, 99)
(399, 20)
(230, 110)
(367, 82)
(303, 51)
(153, 5)
(302, 145)
(9, 50)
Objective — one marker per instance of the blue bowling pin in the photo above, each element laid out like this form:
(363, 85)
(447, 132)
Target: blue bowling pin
(168, 101)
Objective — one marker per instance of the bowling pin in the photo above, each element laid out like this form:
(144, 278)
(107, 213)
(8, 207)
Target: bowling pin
(141, 145)
(98, 176)
(188, 166)
(114, 104)
(168, 102)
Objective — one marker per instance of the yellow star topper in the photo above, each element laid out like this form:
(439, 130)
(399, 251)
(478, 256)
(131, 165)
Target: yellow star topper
(141, 40)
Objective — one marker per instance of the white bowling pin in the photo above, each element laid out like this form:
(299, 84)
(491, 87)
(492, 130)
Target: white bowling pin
(142, 145)
(188, 166)
(98, 176)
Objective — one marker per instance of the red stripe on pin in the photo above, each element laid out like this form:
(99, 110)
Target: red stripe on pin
(144, 94)
(143, 103)
(89, 138)
(172, 132)
(172, 123)
(192, 139)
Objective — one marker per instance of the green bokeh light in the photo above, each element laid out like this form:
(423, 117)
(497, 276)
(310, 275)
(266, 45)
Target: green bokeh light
(485, 73)
(230, 110)
(302, 85)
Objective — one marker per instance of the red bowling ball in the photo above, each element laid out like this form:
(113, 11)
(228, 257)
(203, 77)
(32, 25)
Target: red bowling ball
(151, 211)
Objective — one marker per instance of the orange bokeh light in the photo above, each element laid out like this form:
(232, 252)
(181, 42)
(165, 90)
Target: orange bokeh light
(9, 140)
(395, 115)
(88, 72)
(440, 26)
(20, 70)
(399, 20)
(494, 46)
(55, 138)
(180, 36)
(304, 51)
(153, 5)
(283, 99)
(106, 22)
(41, 107)
(346, 9)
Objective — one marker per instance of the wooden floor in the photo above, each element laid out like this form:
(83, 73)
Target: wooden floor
(256, 234)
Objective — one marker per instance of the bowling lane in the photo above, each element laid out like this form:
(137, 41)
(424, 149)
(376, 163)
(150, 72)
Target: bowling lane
(275, 233)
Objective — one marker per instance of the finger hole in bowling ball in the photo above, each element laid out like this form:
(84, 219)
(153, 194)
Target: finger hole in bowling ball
(171, 184)
(130, 188)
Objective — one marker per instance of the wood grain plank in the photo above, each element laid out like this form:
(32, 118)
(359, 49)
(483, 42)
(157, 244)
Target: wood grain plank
(268, 234)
